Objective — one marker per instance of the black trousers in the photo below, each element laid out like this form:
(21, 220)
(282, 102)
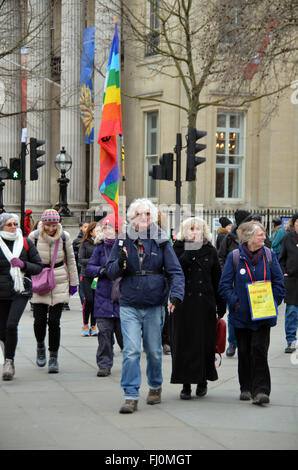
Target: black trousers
(253, 369)
(10, 314)
(47, 315)
(88, 309)
(106, 329)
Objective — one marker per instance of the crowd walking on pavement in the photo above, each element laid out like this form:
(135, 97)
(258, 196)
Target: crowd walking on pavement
(148, 292)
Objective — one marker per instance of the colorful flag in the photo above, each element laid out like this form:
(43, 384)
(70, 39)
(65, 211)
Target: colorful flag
(111, 126)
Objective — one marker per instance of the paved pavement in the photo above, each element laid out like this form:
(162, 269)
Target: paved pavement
(76, 410)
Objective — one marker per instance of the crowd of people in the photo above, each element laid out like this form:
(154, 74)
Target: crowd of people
(143, 290)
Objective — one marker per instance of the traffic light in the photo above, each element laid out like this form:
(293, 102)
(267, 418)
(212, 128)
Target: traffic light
(164, 171)
(34, 155)
(15, 168)
(192, 149)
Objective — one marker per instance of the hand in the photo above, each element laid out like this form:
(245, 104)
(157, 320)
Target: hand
(72, 290)
(122, 257)
(17, 263)
(173, 303)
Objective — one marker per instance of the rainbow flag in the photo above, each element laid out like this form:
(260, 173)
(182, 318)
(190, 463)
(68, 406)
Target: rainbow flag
(110, 127)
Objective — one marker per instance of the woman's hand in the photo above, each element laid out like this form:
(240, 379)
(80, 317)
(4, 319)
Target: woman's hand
(17, 263)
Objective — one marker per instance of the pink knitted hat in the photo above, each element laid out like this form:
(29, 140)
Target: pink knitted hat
(50, 216)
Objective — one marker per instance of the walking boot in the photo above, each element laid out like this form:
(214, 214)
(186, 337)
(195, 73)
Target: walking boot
(8, 369)
(129, 406)
(41, 355)
(53, 363)
(154, 396)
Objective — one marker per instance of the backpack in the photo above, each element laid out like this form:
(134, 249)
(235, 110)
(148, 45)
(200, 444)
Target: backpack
(236, 257)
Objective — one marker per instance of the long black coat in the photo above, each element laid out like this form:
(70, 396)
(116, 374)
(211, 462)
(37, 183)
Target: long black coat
(33, 265)
(289, 264)
(193, 324)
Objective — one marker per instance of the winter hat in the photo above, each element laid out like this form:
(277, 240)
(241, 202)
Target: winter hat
(241, 216)
(5, 217)
(28, 212)
(294, 218)
(110, 220)
(224, 221)
(50, 216)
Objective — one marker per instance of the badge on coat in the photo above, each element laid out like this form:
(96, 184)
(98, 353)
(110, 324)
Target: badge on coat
(242, 271)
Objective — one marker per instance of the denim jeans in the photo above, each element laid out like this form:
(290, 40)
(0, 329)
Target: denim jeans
(232, 340)
(291, 323)
(135, 324)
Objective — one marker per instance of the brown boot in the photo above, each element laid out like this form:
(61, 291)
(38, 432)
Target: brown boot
(129, 406)
(154, 397)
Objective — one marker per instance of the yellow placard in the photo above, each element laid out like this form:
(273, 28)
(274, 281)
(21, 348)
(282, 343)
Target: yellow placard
(261, 300)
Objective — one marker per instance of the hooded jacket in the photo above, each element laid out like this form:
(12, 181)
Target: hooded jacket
(141, 291)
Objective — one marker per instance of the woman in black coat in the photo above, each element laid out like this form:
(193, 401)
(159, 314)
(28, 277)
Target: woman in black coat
(289, 265)
(19, 259)
(194, 321)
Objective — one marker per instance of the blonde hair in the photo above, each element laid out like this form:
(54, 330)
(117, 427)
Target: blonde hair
(191, 222)
(247, 230)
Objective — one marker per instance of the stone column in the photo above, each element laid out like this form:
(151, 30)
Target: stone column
(71, 127)
(39, 101)
(10, 74)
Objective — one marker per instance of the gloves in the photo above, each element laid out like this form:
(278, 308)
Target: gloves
(72, 290)
(175, 301)
(17, 263)
(122, 259)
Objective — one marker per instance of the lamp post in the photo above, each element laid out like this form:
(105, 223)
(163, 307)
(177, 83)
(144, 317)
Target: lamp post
(63, 163)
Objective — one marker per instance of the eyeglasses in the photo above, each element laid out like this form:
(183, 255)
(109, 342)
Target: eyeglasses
(139, 214)
(11, 224)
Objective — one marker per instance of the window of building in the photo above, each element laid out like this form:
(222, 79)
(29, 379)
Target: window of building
(229, 154)
(153, 27)
(151, 152)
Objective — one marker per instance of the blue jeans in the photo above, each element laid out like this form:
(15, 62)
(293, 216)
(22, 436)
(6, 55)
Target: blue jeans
(135, 324)
(232, 340)
(291, 322)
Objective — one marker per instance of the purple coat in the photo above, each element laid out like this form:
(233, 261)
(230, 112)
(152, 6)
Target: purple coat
(104, 307)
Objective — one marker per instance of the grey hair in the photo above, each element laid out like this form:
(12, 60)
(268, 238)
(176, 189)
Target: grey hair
(148, 204)
(247, 230)
(194, 221)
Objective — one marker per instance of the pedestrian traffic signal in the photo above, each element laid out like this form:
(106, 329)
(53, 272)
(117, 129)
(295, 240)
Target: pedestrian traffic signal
(164, 171)
(15, 168)
(34, 155)
(192, 149)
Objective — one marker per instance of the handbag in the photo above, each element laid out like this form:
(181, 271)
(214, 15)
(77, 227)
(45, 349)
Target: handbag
(221, 332)
(115, 292)
(44, 282)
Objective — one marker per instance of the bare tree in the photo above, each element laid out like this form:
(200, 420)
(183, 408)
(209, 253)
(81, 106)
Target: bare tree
(240, 51)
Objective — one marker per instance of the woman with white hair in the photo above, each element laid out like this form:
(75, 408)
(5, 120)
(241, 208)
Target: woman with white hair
(193, 324)
(19, 259)
(145, 260)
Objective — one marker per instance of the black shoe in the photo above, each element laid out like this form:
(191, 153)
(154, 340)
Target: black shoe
(185, 393)
(53, 367)
(103, 373)
(201, 390)
(231, 350)
(260, 399)
(41, 359)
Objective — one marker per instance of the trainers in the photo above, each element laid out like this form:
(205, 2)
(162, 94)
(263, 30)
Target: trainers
(130, 406)
(291, 347)
(8, 370)
(53, 367)
(154, 396)
(93, 331)
(85, 330)
(245, 396)
(231, 350)
(103, 373)
(260, 399)
(41, 356)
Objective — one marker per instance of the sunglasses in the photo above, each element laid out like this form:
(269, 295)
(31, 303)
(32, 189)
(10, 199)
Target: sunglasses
(11, 224)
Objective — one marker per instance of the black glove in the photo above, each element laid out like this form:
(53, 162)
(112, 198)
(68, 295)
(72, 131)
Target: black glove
(102, 272)
(175, 301)
(122, 258)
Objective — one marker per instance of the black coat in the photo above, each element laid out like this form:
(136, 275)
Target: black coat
(193, 323)
(33, 265)
(84, 255)
(289, 264)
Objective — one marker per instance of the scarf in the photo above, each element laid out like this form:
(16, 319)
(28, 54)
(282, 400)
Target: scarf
(254, 256)
(15, 273)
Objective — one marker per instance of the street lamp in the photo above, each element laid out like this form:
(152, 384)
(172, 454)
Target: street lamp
(63, 163)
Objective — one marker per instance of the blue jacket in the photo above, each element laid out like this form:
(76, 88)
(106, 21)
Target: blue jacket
(150, 289)
(104, 307)
(276, 239)
(232, 287)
